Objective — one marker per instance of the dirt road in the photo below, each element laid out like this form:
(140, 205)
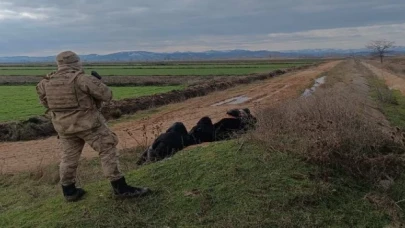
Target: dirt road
(393, 81)
(25, 156)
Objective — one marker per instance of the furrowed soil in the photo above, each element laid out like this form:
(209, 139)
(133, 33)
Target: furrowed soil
(26, 156)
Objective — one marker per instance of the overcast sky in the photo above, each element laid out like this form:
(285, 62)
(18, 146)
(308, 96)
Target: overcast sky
(45, 27)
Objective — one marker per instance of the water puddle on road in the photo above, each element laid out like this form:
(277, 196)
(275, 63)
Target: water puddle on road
(318, 82)
(235, 100)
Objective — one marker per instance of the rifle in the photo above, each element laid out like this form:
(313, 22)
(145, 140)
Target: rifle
(99, 104)
(95, 74)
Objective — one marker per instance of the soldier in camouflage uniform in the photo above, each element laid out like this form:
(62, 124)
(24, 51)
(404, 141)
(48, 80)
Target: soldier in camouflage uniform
(73, 100)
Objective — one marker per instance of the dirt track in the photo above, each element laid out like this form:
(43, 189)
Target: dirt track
(393, 81)
(25, 156)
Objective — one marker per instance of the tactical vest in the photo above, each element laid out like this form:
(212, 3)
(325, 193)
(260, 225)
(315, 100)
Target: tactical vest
(61, 92)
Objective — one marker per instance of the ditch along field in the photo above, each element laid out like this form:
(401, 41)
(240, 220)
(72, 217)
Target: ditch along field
(163, 69)
(334, 159)
(165, 73)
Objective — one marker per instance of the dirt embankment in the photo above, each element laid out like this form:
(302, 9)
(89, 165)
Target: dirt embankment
(395, 66)
(393, 81)
(127, 80)
(355, 134)
(39, 127)
(28, 155)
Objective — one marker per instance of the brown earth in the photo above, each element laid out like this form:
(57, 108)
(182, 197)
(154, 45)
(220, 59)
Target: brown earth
(392, 80)
(394, 65)
(26, 156)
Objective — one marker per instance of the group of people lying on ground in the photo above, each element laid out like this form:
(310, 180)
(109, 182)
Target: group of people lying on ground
(177, 138)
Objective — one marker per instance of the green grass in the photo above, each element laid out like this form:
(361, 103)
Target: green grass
(21, 102)
(395, 113)
(391, 102)
(178, 70)
(212, 186)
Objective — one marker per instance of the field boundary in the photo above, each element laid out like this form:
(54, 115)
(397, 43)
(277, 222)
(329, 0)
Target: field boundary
(156, 70)
(126, 81)
(40, 127)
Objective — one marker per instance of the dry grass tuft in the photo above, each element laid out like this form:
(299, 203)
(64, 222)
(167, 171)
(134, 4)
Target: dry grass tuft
(333, 130)
(387, 205)
(383, 94)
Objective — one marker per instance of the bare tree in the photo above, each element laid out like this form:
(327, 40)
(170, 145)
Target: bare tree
(380, 47)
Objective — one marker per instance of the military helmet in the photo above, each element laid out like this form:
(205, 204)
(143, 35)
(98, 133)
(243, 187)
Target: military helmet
(67, 57)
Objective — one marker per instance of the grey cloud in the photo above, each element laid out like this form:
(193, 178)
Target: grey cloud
(105, 26)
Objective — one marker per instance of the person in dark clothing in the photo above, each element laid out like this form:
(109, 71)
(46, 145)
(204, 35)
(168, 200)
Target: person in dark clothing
(167, 144)
(241, 122)
(203, 131)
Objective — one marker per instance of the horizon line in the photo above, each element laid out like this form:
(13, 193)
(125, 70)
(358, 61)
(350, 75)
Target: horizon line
(216, 50)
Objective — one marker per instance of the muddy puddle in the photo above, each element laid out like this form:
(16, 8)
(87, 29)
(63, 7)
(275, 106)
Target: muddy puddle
(318, 82)
(233, 101)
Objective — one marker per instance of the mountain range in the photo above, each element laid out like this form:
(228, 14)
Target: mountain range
(129, 56)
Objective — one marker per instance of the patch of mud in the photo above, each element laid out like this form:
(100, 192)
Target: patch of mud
(318, 82)
(235, 100)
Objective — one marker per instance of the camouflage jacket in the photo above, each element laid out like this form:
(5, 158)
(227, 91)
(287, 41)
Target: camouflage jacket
(90, 93)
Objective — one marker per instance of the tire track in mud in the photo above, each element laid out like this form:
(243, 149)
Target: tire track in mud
(26, 156)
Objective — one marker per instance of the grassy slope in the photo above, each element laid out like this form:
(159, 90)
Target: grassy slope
(155, 70)
(246, 188)
(396, 113)
(392, 104)
(21, 102)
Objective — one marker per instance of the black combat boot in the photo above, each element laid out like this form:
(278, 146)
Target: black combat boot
(72, 194)
(122, 190)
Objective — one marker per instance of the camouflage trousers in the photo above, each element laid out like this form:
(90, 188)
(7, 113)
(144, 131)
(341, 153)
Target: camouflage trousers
(102, 140)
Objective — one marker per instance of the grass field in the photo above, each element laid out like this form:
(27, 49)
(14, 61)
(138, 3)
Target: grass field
(21, 102)
(148, 70)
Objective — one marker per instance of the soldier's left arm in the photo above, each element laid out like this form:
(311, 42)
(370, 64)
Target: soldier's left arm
(41, 93)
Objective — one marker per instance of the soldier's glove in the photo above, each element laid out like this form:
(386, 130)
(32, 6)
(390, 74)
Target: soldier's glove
(48, 76)
(95, 74)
